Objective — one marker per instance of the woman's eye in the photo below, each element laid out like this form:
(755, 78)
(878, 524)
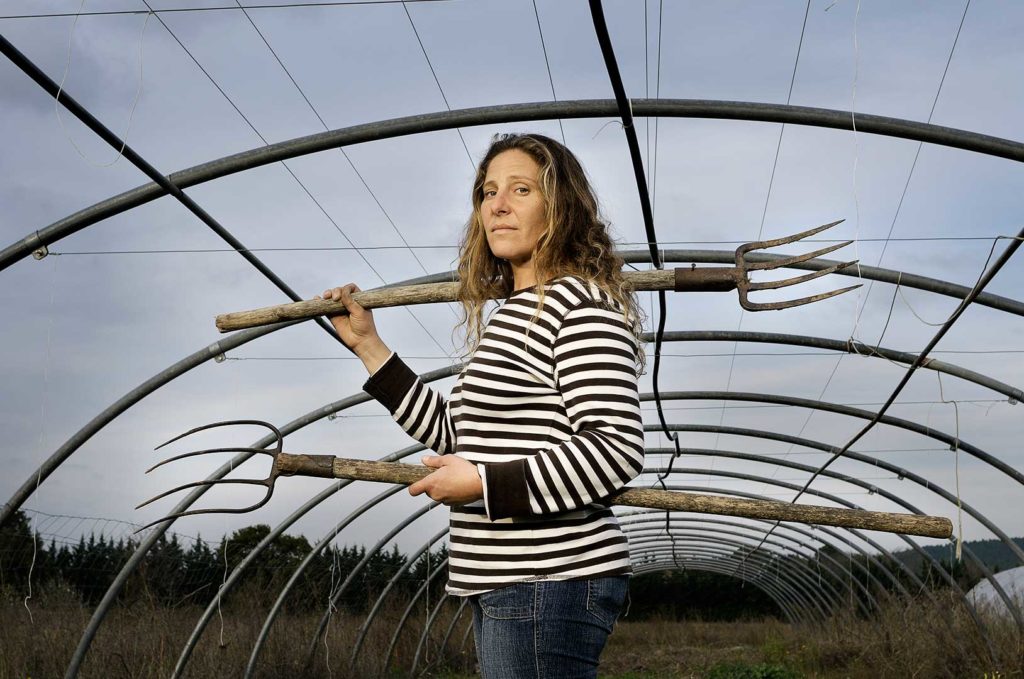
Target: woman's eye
(522, 190)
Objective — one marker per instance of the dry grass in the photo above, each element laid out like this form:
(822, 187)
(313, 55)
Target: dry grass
(908, 639)
(139, 642)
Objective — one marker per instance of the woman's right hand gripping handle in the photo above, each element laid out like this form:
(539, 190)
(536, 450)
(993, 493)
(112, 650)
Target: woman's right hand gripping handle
(357, 329)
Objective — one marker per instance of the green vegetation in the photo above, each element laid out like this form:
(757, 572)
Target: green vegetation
(743, 671)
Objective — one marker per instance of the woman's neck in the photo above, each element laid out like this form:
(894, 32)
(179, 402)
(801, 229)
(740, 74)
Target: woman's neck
(523, 276)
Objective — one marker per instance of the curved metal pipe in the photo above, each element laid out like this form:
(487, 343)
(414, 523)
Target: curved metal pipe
(840, 409)
(239, 338)
(712, 567)
(451, 628)
(186, 652)
(465, 637)
(803, 581)
(278, 530)
(157, 531)
(876, 462)
(805, 567)
(954, 586)
(850, 346)
(10, 508)
(825, 605)
(426, 631)
(370, 553)
(781, 529)
(643, 535)
(210, 351)
(368, 620)
(491, 115)
(166, 185)
(656, 545)
(405, 615)
(985, 570)
(800, 606)
(108, 414)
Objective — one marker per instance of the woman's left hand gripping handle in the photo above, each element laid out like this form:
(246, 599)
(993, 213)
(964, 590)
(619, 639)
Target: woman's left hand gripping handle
(357, 329)
(456, 481)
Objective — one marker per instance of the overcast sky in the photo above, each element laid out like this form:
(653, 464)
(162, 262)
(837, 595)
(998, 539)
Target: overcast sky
(89, 323)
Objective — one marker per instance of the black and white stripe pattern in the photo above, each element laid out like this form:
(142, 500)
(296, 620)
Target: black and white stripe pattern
(548, 410)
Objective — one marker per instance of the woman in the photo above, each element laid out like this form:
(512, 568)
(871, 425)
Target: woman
(543, 422)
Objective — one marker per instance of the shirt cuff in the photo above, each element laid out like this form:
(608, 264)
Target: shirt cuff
(505, 491)
(377, 370)
(481, 469)
(391, 382)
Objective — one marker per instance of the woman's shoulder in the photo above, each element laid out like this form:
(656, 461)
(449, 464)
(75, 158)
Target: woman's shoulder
(570, 292)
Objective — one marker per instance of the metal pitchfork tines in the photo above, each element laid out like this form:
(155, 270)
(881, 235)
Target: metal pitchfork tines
(268, 482)
(285, 464)
(727, 278)
(330, 467)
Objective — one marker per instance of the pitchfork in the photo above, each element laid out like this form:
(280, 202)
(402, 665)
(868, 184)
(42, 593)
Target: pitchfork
(703, 279)
(330, 467)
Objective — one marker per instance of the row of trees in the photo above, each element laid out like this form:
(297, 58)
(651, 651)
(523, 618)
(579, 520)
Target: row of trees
(174, 574)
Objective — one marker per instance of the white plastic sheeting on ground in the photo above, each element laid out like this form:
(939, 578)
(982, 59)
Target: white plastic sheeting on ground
(984, 596)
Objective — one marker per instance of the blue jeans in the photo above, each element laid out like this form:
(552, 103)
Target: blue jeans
(549, 629)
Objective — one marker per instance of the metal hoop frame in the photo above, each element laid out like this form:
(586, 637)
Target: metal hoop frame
(771, 113)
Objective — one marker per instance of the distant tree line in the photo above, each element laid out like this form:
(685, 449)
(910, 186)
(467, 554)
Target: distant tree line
(174, 574)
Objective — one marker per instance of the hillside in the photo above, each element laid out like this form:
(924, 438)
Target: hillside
(993, 553)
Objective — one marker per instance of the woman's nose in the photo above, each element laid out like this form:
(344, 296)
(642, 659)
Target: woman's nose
(499, 204)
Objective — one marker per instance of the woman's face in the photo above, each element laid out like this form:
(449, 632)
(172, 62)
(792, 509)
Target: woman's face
(512, 210)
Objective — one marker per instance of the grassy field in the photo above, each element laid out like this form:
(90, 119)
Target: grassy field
(908, 639)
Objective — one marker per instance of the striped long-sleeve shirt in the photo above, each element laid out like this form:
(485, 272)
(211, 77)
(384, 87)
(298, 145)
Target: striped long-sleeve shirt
(547, 409)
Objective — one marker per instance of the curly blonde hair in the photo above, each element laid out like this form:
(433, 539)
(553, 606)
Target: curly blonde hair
(575, 241)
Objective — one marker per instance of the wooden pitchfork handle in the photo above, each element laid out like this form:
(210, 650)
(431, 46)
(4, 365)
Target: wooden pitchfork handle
(428, 293)
(691, 279)
(330, 467)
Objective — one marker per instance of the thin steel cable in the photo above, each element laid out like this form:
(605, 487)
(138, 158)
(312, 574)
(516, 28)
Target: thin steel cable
(782, 128)
(168, 10)
(30, 69)
(987, 274)
(646, 86)
(835, 368)
(917, 153)
(657, 95)
(886, 240)
(547, 64)
(436, 80)
(764, 210)
(819, 354)
(323, 123)
(351, 164)
(44, 399)
(975, 401)
(672, 436)
(647, 91)
(304, 188)
(131, 113)
(174, 251)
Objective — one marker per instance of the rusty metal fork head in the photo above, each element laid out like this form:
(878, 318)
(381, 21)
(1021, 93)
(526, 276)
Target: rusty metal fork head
(268, 482)
(743, 265)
